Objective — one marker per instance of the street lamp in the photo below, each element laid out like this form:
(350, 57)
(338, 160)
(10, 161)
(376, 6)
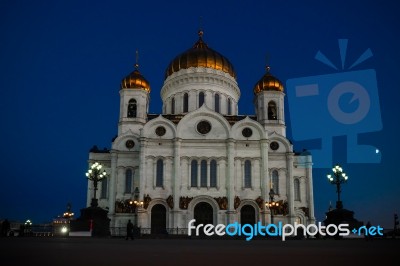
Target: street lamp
(95, 174)
(339, 177)
(272, 204)
(136, 203)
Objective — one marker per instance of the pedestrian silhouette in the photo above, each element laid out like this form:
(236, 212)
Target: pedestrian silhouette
(129, 230)
(5, 227)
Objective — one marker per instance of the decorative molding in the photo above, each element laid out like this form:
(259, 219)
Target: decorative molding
(170, 201)
(222, 202)
(184, 202)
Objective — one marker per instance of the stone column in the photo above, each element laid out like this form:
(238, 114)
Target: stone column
(113, 183)
(265, 180)
(230, 179)
(310, 194)
(176, 180)
(142, 166)
(290, 186)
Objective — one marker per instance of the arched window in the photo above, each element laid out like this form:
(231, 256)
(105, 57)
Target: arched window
(193, 178)
(229, 106)
(272, 115)
(275, 181)
(296, 189)
(203, 173)
(132, 108)
(186, 103)
(128, 181)
(173, 106)
(104, 188)
(160, 173)
(247, 174)
(213, 173)
(216, 105)
(201, 99)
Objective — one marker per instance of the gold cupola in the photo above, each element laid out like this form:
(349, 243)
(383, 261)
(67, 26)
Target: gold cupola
(200, 55)
(268, 83)
(135, 80)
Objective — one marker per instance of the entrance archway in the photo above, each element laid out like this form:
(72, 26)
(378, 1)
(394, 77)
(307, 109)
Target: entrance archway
(158, 219)
(247, 216)
(203, 213)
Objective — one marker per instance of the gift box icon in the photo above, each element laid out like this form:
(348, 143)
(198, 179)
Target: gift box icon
(344, 103)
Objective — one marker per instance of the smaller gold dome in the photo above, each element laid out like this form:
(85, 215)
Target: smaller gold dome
(135, 80)
(268, 83)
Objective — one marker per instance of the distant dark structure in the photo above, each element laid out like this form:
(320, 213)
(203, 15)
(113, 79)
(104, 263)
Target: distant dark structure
(93, 218)
(340, 215)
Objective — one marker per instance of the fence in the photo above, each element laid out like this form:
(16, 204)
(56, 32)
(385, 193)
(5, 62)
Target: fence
(121, 231)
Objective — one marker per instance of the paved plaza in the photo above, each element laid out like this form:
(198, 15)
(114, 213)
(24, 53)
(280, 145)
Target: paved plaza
(118, 251)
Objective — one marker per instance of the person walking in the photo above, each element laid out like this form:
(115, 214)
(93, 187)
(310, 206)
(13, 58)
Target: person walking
(129, 230)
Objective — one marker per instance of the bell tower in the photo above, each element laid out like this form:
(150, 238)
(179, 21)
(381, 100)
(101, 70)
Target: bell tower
(134, 100)
(269, 103)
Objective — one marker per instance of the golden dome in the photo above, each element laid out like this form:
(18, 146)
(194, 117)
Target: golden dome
(135, 80)
(268, 83)
(200, 55)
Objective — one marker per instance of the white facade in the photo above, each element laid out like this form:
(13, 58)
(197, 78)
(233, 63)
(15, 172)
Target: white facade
(183, 172)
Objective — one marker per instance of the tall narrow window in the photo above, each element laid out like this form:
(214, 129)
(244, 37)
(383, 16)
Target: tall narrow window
(203, 173)
(275, 181)
(201, 99)
(247, 174)
(296, 189)
(128, 181)
(229, 106)
(173, 106)
(216, 105)
(104, 184)
(193, 178)
(132, 108)
(272, 111)
(160, 173)
(186, 103)
(213, 173)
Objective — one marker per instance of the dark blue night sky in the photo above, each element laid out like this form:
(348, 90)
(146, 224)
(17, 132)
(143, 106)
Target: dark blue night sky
(61, 63)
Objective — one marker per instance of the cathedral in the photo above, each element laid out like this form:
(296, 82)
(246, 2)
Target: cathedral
(200, 159)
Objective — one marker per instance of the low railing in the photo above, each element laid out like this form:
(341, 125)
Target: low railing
(121, 231)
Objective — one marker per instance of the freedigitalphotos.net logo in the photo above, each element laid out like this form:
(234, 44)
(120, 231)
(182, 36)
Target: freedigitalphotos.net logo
(280, 230)
(339, 104)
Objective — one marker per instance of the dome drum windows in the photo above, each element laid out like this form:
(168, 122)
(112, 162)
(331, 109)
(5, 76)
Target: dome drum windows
(201, 99)
(172, 106)
(186, 103)
(217, 103)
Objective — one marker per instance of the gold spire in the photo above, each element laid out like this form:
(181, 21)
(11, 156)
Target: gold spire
(200, 32)
(137, 60)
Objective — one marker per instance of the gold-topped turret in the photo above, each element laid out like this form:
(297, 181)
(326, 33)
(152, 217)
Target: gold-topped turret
(135, 80)
(268, 83)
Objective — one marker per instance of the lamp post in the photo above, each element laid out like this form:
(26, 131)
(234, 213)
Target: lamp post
(95, 174)
(136, 203)
(272, 204)
(339, 177)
